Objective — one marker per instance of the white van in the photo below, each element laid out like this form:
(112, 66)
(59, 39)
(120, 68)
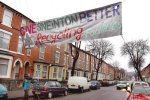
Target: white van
(78, 83)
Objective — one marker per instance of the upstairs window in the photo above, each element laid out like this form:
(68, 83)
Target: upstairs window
(7, 17)
(28, 52)
(57, 56)
(4, 40)
(58, 46)
(42, 50)
(20, 44)
(23, 22)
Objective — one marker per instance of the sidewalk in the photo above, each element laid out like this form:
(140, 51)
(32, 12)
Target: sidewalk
(14, 95)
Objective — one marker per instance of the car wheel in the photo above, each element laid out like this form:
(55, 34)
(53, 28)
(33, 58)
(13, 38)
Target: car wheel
(65, 93)
(49, 95)
(117, 88)
(81, 90)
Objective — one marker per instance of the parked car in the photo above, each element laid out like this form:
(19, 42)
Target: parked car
(94, 84)
(78, 83)
(105, 83)
(121, 85)
(140, 93)
(49, 89)
(139, 84)
(3, 92)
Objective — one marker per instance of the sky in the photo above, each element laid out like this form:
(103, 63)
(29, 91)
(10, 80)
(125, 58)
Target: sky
(135, 18)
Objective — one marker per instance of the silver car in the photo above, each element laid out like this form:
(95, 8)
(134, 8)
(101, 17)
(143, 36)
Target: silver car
(121, 85)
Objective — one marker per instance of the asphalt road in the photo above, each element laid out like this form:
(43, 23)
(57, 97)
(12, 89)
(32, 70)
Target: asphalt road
(105, 93)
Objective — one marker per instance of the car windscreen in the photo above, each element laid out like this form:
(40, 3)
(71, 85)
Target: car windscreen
(122, 82)
(50, 84)
(93, 82)
(141, 90)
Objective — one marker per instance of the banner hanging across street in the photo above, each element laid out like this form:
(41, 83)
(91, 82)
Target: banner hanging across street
(86, 25)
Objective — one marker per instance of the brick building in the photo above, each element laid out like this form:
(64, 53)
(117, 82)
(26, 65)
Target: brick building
(15, 60)
(146, 73)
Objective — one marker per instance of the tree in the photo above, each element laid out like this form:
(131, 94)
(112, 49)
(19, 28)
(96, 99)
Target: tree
(136, 50)
(103, 50)
(116, 66)
(74, 49)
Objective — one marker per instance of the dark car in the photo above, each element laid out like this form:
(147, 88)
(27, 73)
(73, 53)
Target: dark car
(49, 89)
(3, 92)
(95, 84)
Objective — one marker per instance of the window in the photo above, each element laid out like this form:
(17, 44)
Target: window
(28, 52)
(58, 84)
(57, 56)
(7, 18)
(58, 46)
(55, 72)
(65, 58)
(20, 44)
(3, 66)
(23, 22)
(44, 71)
(4, 40)
(60, 72)
(66, 47)
(42, 50)
(37, 71)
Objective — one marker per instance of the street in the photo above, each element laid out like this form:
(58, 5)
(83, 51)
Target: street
(105, 93)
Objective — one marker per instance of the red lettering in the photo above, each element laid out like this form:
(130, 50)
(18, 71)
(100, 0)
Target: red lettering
(34, 28)
(22, 31)
(29, 29)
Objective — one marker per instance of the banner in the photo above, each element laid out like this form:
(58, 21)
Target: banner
(86, 25)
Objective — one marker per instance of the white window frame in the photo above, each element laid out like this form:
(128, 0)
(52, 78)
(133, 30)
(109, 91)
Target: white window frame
(5, 33)
(20, 43)
(60, 72)
(7, 13)
(58, 46)
(23, 23)
(57, 57)
(9, 65)
(37, 72)
(44, 71)
(65, 59)
(28, 52)
(55, 72)
(41, 53)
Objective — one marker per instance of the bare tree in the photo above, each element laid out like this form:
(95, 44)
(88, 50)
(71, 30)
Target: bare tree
(103, 50)
(116, 66)
(74, 49)
(136, 50)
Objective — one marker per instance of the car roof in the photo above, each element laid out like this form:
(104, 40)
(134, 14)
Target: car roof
(139, 82)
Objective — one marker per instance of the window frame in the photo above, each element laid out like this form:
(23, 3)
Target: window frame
(7, 13)
(7, 33)
(55, 72)
(42, 54)
(20, 42)
(57, 57)
(44, 71)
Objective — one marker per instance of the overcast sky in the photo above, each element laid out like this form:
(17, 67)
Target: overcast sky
(135, 18)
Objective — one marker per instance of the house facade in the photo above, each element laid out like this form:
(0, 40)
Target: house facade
(146, 73)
